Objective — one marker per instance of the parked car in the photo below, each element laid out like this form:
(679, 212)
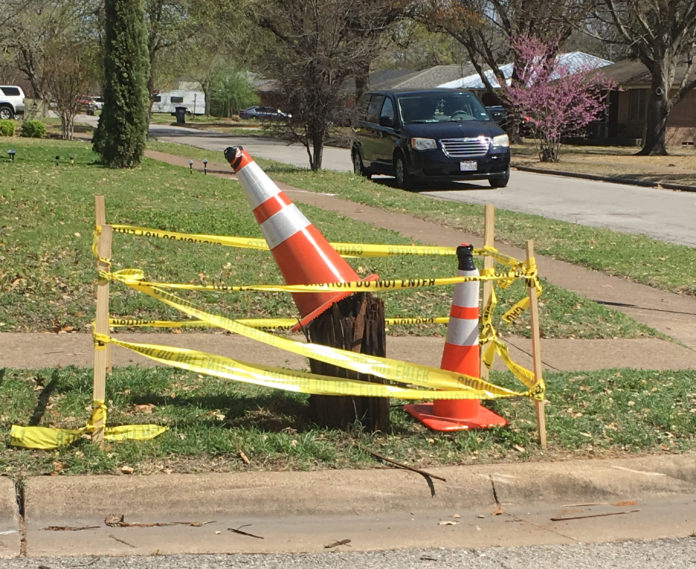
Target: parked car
(432, 135)
(499, 115)
(11, 101)
(86, 104)
(264, 113)
(99, 103)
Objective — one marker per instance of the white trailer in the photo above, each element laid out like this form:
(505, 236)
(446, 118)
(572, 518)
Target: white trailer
(167, 101)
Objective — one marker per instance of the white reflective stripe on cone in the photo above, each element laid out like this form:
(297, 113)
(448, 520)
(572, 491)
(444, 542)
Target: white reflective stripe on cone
(283, 225)
(257, 186)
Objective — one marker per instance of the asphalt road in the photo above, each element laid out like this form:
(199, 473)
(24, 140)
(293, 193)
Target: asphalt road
(666, 215)
(658, 554)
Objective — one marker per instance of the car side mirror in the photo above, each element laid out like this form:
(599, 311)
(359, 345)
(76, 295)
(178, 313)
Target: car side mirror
(386, 121)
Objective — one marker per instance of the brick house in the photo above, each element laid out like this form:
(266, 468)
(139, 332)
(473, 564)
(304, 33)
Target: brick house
(627, 109)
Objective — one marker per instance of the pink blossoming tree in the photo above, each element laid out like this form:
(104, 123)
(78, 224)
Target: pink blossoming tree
(558, 101)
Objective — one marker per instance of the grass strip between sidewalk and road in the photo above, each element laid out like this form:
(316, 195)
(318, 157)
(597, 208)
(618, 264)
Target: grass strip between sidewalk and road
(216, 425)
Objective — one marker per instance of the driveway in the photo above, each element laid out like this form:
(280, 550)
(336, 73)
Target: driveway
(666, 215)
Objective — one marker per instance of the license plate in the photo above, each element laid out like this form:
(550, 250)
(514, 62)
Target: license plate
(468, 166)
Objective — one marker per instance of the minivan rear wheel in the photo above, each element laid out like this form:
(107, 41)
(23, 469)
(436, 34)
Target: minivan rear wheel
(358, 166)
(6, 113)
(403, 178)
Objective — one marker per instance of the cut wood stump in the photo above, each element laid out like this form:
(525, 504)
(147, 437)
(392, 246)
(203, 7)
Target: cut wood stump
(355, 323)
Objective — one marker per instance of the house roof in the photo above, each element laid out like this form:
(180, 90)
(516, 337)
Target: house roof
(632, 74)
(574, 61)
(431, 77)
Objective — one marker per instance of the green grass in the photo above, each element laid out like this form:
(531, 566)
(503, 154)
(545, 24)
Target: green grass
(636, 257)
(48, 272)
(47, 276)
(211, 421)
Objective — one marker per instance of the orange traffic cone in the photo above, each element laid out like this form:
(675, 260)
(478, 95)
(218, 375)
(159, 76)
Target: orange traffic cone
(302, 253)
(461, 354)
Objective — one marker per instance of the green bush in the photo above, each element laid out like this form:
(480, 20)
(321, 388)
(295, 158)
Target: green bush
(7, 128)
(33, 129)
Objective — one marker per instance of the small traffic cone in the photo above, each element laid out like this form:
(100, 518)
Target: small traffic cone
(302, 253)
(461, 354)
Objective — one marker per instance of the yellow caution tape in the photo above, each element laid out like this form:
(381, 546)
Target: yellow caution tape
(290, 380)
(257, 322)
(492, 345)
(345, 249)
(520, 306)
(47, 438)
(132, 275)
(394, 370)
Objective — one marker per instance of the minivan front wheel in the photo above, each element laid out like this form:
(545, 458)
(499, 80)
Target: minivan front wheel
(403, 178)
(358, 166)
(500, 181)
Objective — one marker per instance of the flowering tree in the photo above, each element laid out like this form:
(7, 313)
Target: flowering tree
(557, 100)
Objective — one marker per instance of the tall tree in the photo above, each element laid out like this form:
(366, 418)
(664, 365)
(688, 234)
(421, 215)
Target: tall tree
(69, 71)
(313, 47)
(662, 35)
(122, 130)
(485, 28)
(34, 27)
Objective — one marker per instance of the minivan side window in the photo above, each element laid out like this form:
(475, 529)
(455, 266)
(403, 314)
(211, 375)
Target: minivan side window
(374, 108)
(387, 110)
(11, 91)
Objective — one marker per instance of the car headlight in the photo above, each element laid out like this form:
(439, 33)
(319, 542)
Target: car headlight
(423, 143)
(501, 141)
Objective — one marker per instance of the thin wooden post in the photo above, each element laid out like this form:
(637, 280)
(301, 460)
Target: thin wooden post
(536, 346)
(101, 324)
(488, 263)
(100, 211)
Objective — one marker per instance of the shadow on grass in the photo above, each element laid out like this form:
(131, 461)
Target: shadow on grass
(43, 399)
(273, 412)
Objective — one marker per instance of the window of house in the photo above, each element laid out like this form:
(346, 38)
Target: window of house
(637, 104)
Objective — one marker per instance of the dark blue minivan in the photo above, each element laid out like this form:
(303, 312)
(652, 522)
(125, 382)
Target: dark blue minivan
(432, 135)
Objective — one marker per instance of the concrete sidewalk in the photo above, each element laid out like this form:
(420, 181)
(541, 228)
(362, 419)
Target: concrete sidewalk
(262, 512)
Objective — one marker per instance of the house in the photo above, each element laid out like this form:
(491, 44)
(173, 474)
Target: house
(627, 106)
(572, 61)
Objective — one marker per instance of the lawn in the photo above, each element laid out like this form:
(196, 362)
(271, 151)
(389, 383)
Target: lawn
(47, 277)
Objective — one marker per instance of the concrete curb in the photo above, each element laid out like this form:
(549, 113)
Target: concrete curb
(356, 491)
(10, 534)
(664, 185)
(477, 506)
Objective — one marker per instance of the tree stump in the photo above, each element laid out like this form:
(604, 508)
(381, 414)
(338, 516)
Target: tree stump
(355, 323)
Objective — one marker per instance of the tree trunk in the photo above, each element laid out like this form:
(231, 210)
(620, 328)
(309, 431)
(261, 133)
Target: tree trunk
(355, 323)
(654, 143)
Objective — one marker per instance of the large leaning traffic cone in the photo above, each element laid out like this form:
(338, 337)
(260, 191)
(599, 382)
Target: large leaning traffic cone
(302, 253)
(461, 354)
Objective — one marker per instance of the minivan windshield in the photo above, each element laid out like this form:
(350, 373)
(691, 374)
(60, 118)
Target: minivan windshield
(440, 107)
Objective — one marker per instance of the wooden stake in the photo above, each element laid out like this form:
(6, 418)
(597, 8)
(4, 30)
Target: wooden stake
(488, 263)
(101, 325)
(536, 347)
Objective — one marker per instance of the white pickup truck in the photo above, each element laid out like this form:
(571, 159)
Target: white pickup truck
(11, 101)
